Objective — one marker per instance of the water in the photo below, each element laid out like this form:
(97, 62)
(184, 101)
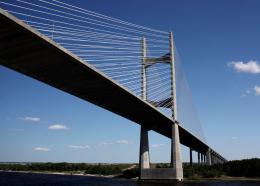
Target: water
(29, 179)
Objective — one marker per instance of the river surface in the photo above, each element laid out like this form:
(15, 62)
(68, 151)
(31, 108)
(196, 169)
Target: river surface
(30, 179)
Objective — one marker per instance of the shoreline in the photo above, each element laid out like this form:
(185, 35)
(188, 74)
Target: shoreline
(223, 178)
(62, 173)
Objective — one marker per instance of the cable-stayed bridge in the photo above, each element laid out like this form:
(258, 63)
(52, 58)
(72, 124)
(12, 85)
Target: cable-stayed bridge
(128, 69)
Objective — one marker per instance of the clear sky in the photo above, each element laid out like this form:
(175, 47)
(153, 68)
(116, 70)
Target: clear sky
(219, 44)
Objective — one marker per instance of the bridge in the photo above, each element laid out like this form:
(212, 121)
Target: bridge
(52, 42)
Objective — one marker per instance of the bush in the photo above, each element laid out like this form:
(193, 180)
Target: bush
(131, 173)
(211, 173)
(103, 170)
(247, 168)
(188, 172)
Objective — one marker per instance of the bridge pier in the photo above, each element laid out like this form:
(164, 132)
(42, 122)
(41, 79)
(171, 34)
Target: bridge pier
(144, 159)
(191, 163)
(208, 157)
(176, 161)
(198, 158)
(212, 158)
(175, 172)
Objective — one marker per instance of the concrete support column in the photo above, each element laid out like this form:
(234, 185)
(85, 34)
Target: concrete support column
(201, 158)
(198, 158)
(144, 161)
(176, 161)
(208, 157)
(191, 161)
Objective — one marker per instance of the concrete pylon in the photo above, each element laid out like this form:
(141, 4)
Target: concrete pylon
(176, 161)
(191, 161)
(198, 158)
(208, 154)
(144, 161)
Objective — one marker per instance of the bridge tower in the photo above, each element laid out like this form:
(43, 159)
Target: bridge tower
(175, 146)
(175, 171)
(144, 160)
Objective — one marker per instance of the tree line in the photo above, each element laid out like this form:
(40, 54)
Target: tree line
(101, 169)
(238, 168)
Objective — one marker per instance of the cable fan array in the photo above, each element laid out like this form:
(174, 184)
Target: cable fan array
(111, 45)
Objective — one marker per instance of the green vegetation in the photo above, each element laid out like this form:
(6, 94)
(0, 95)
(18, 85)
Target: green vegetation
(130, 173)
(249, 168)
(104, 169)
(240, 168)
(203, 171)
(99, 169)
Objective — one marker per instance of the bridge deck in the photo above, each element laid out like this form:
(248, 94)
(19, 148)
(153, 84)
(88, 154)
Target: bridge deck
(27, 51)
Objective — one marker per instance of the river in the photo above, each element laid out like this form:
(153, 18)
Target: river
(31, 179)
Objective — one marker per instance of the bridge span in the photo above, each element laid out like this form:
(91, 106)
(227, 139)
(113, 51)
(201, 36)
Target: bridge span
(27, 51)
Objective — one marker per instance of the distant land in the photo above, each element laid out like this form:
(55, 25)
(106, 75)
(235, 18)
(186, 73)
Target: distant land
(236, 169)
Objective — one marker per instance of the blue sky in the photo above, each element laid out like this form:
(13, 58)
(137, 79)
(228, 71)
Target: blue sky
(218, 42)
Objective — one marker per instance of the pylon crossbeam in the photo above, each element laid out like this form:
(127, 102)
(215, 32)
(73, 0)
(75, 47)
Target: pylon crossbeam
(152, 61)
(166, 103)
